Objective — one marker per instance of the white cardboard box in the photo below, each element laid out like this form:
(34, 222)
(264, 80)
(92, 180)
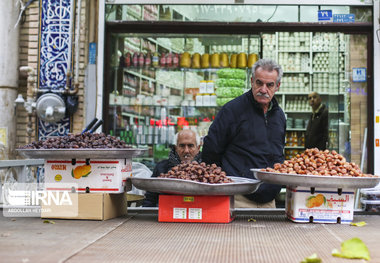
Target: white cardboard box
(325, 205)
(102, 176)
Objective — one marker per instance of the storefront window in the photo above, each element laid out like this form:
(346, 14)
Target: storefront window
(230, 13)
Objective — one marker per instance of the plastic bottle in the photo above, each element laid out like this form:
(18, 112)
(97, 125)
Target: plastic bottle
(163, 60)
(135, 60)
(155, 60)
(148, 60)
(141, 59)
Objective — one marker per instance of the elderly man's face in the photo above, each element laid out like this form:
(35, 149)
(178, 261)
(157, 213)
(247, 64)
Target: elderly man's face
(264, 85)
(186, 146)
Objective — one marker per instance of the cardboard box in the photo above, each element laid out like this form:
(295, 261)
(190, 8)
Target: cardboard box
(195, 208)
(104, 176)
(92, 206)
(325, 205)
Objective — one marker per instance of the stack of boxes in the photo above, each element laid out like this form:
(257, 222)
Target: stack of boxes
(99, 187)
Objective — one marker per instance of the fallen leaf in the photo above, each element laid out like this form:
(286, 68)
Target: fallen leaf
(352, 248)
(312, 259)
(362, 223)
(251, 220)
(49, 222)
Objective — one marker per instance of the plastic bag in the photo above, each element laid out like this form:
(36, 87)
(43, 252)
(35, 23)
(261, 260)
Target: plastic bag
(139, 170)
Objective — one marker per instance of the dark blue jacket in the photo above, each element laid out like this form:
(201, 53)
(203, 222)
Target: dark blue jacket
(243, 137)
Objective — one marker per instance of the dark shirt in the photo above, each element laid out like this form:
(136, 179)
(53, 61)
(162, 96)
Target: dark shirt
(242, 137)
(317, 131)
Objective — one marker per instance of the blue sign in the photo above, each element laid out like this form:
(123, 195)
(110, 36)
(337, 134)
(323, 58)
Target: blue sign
(324, 15)
(92, 53)
(359, 75)
(344, 18)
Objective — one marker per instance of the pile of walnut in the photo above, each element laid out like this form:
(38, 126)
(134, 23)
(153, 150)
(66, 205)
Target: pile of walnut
(316, 162)
(199, 172)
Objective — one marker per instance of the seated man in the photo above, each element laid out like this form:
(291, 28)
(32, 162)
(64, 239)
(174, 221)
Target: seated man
(186, 150)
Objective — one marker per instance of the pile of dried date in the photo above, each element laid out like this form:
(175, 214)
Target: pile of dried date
(76, 141)
(199, 172)
(316, 162)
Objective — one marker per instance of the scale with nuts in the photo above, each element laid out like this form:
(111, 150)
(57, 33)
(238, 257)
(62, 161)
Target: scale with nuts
(316, 198)
(191, 201)
(103, 170)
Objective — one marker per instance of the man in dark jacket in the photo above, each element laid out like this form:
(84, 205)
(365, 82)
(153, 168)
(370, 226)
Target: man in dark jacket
(317, 131)
(186, 149)
(249, 132)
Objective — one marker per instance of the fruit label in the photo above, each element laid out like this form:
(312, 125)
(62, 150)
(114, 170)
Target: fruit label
(107, 176)
(324, 205)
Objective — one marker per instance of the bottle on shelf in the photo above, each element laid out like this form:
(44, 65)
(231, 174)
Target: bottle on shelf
(148, 60)
(155, 60)
(127, 59)
(135, 60)
(141, 60)
(163, 60)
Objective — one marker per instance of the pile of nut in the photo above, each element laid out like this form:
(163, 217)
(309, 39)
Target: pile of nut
(199, 172)
(316, 162)
(76, 141)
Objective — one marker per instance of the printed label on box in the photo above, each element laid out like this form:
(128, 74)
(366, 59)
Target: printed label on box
(195, 213)
(98, 175)
(179, 213)
(324, 205)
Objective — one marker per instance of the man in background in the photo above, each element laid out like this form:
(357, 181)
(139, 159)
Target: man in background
(186, 149)
(317, 131)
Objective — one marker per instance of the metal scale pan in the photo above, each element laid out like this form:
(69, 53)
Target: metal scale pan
(346, 182)
(61, 154)
(239, 185)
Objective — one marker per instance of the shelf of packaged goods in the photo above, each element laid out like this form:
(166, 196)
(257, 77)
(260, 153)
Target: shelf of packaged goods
(294, 147)
(293, 93)
(297, 111)
(295, 72)
(127, 114)
(164, 46)
(132, 72)
(126, 86)
(295, 129)
(294, 51)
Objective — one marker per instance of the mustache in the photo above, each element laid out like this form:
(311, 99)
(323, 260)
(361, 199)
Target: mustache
(263, 95)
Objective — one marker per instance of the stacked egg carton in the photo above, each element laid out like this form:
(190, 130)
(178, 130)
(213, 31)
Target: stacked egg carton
(269, 46)
(297, 103)
(294, 61)
(295, 83)
(294, 41)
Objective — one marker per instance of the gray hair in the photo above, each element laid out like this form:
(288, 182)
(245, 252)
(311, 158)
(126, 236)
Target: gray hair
(197, 137)
(267, 64)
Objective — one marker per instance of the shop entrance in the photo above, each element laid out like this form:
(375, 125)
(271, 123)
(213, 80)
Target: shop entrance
(157, 80)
